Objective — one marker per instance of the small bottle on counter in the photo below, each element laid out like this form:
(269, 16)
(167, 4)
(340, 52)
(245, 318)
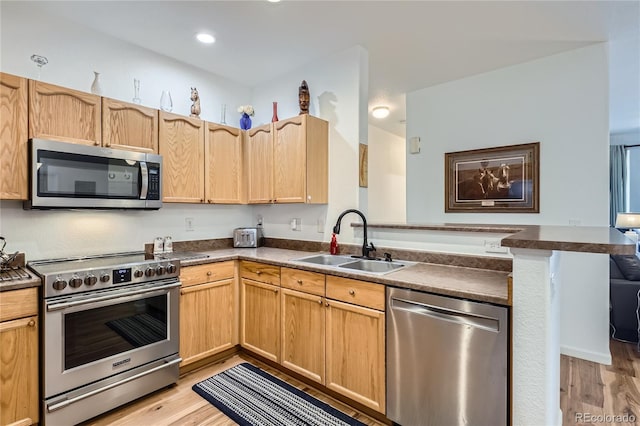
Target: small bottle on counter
(334, 248)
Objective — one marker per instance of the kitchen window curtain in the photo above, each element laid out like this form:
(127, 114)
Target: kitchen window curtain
(617, 180)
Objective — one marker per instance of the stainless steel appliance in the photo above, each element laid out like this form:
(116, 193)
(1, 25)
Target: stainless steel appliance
(65, 175)
(110, 332)
(447, 360)
(248, 237)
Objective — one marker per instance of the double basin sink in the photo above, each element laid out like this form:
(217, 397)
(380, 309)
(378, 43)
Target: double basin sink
(373, 266)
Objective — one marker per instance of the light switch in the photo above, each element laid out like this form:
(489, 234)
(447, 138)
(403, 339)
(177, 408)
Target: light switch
(414, 145)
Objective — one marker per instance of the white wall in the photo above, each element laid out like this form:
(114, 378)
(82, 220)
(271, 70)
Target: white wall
(387, 177)
(74, 52)
(334, 85)
(560, 101)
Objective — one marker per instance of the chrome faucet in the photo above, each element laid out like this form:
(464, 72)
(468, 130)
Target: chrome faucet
(366, 248)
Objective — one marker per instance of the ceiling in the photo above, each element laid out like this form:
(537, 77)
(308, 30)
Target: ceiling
(411, 44)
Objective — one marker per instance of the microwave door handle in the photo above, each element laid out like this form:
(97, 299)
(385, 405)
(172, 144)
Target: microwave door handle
(145, 180)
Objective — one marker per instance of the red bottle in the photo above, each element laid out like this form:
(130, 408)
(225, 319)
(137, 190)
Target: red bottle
(333, 248)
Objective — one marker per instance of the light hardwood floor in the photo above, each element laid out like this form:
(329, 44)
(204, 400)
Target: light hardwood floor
(588, 388)
(179, 405)
(585, 387)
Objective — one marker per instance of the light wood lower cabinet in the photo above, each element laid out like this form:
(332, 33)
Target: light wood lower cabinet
(260, 318)
(19, 357)
(207, 314)
(303, 333)
(355, 365)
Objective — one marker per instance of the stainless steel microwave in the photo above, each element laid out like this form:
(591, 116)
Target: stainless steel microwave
(66, 175)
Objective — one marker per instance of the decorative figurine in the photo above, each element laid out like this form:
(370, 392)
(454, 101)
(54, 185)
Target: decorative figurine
(303, 97)
(195, 106)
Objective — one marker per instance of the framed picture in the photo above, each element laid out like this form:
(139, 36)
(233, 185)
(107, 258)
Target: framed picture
(503, 179)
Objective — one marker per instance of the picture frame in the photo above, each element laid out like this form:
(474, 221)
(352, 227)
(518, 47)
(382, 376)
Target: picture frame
(504, 179)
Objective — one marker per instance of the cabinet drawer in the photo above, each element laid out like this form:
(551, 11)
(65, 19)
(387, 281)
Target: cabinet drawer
(269, 274)
(357, 292)
(18, 303)
(198, 274)
(308, 282)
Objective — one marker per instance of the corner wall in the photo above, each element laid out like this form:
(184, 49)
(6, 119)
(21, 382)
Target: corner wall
(562, 102)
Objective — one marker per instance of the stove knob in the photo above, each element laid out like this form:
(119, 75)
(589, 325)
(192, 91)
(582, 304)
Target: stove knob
(171, 268)
(59, 284)
(90, 279)
(138, 273)
(150, 272)
(160, 270)
(75, 281)
(105, 278)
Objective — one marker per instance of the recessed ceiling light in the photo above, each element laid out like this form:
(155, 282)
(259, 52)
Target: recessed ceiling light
(205, 38)
(274, 1)
(380, 111)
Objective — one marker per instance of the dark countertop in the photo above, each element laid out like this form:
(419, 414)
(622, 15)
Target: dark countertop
(468, 283)
(34, 281)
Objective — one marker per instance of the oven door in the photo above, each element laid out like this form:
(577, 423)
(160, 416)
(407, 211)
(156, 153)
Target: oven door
(92, 336)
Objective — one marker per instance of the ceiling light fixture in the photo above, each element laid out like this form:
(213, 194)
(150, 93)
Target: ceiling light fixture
(380, 111)
(205, 38)
(274, 1)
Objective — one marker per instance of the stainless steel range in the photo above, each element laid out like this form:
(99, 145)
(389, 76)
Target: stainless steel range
(110, 332)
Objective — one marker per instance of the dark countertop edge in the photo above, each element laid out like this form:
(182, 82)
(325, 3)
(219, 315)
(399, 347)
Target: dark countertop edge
(20, 284)
(378, 279)
(527, 236)
(452, 227)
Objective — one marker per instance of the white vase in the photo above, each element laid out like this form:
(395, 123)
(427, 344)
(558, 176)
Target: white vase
(96, 89)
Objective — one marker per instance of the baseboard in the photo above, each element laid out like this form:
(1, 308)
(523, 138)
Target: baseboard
(599, 357)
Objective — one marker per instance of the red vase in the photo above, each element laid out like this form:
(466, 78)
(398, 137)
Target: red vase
(275, 112)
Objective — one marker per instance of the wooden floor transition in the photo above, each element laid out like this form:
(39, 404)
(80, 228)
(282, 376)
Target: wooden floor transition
(586, 389)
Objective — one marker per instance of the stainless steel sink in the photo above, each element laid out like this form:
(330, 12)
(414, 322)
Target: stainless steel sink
(372, 266)
(325, 259)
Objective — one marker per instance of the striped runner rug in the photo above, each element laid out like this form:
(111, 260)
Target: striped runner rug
(253, 397)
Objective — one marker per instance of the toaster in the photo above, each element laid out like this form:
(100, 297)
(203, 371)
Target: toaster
(248, 237)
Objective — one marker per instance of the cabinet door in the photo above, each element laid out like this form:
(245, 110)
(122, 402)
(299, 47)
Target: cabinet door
(14, 167)
(63, 114)
(290, 161)
(223, 164)
(260, 318)
(129, 126)
(206, 320)
(182, 148)
(19, 370)
(356, 353)
(259, 147)
(303, 334)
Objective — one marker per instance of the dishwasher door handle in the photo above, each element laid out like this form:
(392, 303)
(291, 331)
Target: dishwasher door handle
(446, 314)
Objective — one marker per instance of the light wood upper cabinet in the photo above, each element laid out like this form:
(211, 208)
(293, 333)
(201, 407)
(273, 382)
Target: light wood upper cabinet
(259, 164)
(224, 183)
(19, 389)
(14, 167)
(300, 160)
(129, 126)
(303, 334)
(62, 114)
(181, 145)
(355, 365)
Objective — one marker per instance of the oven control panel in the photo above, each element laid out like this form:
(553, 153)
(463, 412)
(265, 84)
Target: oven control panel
(64, 283)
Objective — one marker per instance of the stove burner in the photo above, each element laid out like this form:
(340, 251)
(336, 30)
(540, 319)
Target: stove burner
(12, 274)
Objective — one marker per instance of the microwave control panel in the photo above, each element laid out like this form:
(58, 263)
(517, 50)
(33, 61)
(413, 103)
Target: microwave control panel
(154, 182)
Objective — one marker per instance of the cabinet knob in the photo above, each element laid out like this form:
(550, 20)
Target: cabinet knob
(309, 197)
(299, 282)
(96, 143)
(258, 272)
(326, 304)
(107, 144)
(208, 273)
(31, 323)
(352, 292)
(276, 291)
(320, 302)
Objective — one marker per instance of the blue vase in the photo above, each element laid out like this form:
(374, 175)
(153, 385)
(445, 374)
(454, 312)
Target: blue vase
(245, 122)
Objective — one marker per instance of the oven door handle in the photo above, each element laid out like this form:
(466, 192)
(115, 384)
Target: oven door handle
(54, 407)
(111, 298)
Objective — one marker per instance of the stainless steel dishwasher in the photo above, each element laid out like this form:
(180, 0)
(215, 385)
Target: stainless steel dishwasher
(447, 360)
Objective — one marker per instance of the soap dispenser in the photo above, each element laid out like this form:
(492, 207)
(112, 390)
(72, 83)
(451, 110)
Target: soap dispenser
(333, 248)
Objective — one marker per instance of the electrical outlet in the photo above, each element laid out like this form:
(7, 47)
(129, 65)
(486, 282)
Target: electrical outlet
(188, 224)
(321, 225)
(493, 246)
(259, 220)
(575, 222)
(296, 224)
